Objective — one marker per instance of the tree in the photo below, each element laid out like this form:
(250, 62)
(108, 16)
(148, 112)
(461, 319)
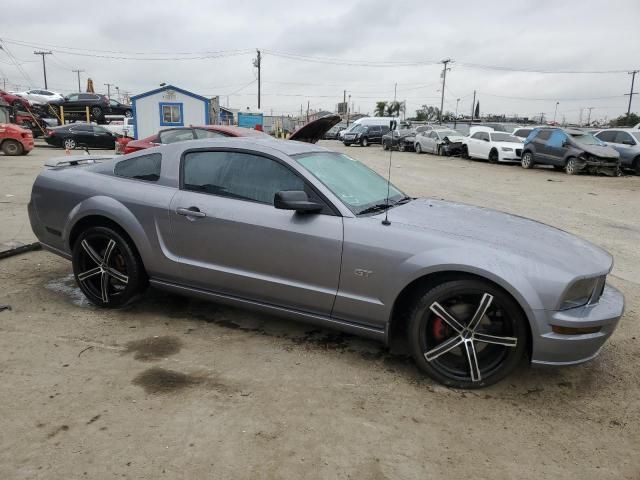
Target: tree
(427, 114)
(381, 108)
(630, 120)
(393, 109)
(477, 112)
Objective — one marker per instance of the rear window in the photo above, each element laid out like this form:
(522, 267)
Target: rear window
(145, 167)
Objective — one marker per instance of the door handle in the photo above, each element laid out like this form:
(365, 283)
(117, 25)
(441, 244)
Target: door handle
(190, 212)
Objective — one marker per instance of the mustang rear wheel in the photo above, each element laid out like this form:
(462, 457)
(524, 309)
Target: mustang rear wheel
(467, 334)
(106, 268)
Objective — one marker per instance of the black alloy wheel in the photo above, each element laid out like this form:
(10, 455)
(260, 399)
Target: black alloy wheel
(107, 268)
(467, 334)
(493, 156)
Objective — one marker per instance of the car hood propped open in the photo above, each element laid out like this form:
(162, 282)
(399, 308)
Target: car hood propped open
(315, 130)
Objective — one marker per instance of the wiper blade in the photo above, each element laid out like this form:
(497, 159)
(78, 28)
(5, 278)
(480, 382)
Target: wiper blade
(403, 200)
(379, 207)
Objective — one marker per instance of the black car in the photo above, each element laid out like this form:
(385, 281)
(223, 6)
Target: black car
(80, 135)
(402, 139)
(117, 108)
(570, 150)
(364, 135)
(75, 106)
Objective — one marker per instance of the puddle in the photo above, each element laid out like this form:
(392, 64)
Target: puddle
(67, 286)
(158, 380)
(154, 348)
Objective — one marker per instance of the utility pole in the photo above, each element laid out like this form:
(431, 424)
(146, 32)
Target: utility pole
(631, 92)
(4, 83)
(344, 101)
(108, 85)
(580, 119)
(473, 107)
(44, 65)
(541, 118)
(589, 117)
(78, 72)
(348, 103)
(258, 64)
(445, 63)
(555, 112)
(308, 102)
(118, 93)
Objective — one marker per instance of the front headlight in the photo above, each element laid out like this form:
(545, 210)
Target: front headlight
(581, 292)
(506, 149)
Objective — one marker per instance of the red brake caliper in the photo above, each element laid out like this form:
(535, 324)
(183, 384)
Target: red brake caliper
(440, 329)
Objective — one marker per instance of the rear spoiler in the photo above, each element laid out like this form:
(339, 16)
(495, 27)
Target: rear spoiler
(72, 161)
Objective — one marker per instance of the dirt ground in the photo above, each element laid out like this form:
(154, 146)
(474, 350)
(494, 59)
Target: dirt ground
(176, 388)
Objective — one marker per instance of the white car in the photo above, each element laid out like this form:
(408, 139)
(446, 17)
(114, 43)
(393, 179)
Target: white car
(41, 96)
(492, 146)
(121, 125)
(439, 141)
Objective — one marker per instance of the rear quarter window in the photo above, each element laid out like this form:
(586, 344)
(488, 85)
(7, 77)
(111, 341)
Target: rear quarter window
(145, 167)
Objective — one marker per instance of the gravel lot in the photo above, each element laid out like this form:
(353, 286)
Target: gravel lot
(177, 388)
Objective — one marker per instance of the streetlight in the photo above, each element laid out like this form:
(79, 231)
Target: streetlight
(555, 112)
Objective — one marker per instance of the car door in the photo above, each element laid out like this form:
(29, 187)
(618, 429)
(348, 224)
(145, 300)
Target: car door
(229, 238)
(102, 137)
(557, 147)
(540, 149)
(482, 145)
(82, 133)
(626, 145)
(472, 144)
(430, 142)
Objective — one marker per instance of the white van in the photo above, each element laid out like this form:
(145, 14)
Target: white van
(368, 121)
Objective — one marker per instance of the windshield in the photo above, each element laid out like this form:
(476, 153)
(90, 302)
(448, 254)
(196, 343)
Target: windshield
(355, 184)
(504, 137)
(586, 139)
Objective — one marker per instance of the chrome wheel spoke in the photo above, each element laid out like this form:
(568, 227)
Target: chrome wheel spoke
(442, 313)
(443, 348)
(472, 359)
(104, 286)
(485, 303)
(121, 277)
(493, 339)
(91, 252)
(89, 273)
(108, 251)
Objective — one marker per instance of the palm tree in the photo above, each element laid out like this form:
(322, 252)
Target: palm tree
(380, 109)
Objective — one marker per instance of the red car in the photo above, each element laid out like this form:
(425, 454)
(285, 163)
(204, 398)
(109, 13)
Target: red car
(179, 134)
(15, 100)
(14, 140)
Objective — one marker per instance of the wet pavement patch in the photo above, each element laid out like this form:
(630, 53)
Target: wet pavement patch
(158, 380)
(154, 348)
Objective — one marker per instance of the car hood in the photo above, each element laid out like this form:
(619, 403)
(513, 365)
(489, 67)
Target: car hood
(315, 130)
(528, 238)
(601, 151)
(454, 138)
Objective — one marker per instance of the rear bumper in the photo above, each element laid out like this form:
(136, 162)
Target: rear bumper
(551, 348)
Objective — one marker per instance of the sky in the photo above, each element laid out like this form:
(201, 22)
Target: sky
(313, 51)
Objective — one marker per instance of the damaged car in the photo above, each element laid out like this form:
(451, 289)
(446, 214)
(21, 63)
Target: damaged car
(571, 150)
(297, 230)
(441, 142)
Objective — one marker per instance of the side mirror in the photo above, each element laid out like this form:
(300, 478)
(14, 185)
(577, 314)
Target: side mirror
(295, 200)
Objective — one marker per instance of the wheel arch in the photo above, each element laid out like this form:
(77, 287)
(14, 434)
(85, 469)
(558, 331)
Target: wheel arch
(396, 328)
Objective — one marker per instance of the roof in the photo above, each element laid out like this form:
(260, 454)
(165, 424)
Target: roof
(169, 87)
(287, 147)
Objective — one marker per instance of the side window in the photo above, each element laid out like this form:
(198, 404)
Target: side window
(484, 136)
(622, 137)
(146, 167)
(607, 136)
(81, 127)
(178, 135)
(73, 98)
(476, 135)
(237, 175)
(434, 135)
(202, 133)
(556, 139)
(543, 135)
(85, 96)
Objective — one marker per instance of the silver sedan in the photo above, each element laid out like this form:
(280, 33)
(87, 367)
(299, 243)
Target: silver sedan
(293, 229)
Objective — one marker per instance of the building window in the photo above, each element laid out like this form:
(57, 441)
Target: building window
(171, 114)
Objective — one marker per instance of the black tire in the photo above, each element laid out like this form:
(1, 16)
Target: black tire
(128, 113)
(111, 283)
(418, 148)
(401, 147)
(385, 145)
(527, 161)
(69, 143)
(636, 165)
(12, 147)
(364, 142)
(452, 351)
(493, 156)
(570, 167)
(96, 112)
(464, 152)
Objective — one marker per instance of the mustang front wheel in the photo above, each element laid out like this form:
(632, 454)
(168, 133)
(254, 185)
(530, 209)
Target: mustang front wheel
(467, 334)
(106, 267)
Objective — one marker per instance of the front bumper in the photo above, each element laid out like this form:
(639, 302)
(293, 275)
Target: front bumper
(513, 156)
(551, 348)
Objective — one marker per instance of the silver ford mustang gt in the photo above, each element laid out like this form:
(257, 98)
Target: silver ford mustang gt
(294, 229)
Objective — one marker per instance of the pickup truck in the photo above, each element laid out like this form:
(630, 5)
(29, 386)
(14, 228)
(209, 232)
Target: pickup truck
(120, 125)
